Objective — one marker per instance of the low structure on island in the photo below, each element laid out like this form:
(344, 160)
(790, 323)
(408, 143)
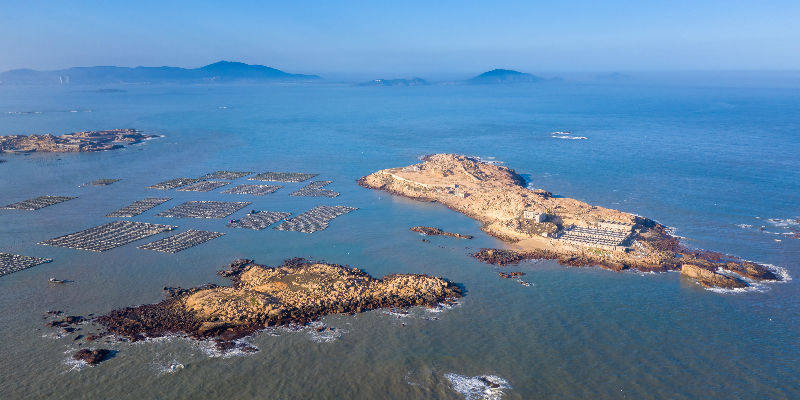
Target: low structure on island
(72, 142)
(297, 292)
(537, 225)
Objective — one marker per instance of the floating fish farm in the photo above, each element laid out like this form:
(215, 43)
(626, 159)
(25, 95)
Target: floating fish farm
(101, 182)
(38, 202)
(259, 219)
(282, 177)
(204, 209)
(181, 241)
(203, 186)
(315, 219)
(255, 190)
(138, 207)
(108, 236)
(14, 262)
(315, 189)
(226, 175)
(173, 183)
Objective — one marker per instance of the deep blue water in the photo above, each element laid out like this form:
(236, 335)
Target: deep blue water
(714, 163)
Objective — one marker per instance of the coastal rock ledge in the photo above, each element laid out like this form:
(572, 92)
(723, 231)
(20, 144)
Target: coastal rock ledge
(536, 224)
(297, 292)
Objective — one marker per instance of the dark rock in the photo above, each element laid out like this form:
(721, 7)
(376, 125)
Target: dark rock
(94, 356)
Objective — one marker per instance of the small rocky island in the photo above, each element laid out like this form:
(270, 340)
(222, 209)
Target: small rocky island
(72, 142)
(297, 292)
(538, 225)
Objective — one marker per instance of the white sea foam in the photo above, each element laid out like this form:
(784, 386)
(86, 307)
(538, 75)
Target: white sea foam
(570, 137)
(168, 368)
(481, 387)
(784, 222)
(242, 348)
(755, 286)
(442, 307)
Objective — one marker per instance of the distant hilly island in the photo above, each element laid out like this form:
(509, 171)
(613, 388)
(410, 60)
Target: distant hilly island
(221, 72)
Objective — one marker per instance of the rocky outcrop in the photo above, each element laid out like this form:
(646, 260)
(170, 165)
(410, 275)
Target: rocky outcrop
(710, 278)
(71, 142)
(92, 356)
(299, 291)
(431, 231)
(500, 199)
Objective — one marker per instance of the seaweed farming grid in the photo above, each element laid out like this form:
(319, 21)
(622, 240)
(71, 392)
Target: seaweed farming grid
(138, 207)
(181, 241)
(315, 189)
(173, 183)
(108, 236)
(203, 186)
(315, 219)
(204, 209)
(255, 190)
(259, 220)
(282, 176)
(226, 175)
(38, 202)
(14, 262)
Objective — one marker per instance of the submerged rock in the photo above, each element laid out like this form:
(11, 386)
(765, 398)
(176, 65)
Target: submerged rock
(430, 231)
(710, 278)
(94, 356)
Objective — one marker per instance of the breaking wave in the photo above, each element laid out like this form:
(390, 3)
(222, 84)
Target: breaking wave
(481, 387)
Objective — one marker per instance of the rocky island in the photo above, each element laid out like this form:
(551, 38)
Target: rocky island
(297, 292)
(538, 225)
(72, 142)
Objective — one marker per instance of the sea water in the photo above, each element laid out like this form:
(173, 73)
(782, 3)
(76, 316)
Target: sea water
(714, 163)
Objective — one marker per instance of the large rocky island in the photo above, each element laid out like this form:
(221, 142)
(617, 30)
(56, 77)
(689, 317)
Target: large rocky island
(538, 225)
(72, 142)
(299, 291)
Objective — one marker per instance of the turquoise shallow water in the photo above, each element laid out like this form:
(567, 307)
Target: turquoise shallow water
(701, 160)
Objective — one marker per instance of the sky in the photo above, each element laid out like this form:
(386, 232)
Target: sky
(406, 37)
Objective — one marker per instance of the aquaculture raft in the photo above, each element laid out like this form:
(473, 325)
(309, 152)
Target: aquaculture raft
(173, 183)
(203, 186)
(14, 262)
(315, 189)
(255, 190)
(315, 219)
(108, 236)
(259, 220)
(204, 209)
(227, 175)
(282, 177)
(38, 202)
(101, 182)
(139, 206)
(181, 241)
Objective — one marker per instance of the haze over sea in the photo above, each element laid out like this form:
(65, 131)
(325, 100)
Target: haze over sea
(715, 162)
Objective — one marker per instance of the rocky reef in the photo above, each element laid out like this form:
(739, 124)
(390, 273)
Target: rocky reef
(71, 142)
(92, 356)
(431, 231)
(539, 225)
(297, 292)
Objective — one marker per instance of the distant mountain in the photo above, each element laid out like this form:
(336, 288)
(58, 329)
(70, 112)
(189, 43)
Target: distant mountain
(223, 71)
(395, 82)
(499, 76)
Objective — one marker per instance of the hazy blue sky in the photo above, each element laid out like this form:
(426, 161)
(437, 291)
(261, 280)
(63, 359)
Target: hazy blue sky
(405, 37)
